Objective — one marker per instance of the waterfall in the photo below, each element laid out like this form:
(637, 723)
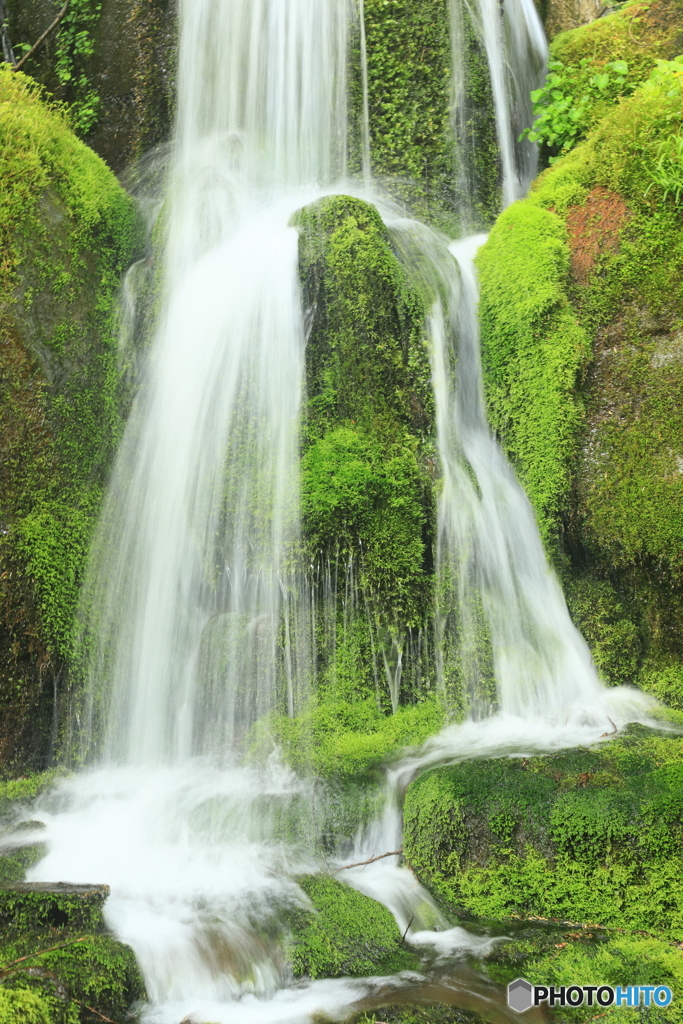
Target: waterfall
(192, 569)
(197, 621)
(513, 40)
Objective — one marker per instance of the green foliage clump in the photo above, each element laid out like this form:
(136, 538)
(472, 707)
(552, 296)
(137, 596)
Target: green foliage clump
(75, 43)
(595, 66)
(591, 835)
(72, 66)
(347, 934)
(573, 99)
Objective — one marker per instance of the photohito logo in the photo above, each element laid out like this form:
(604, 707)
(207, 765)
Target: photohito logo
(522, 995)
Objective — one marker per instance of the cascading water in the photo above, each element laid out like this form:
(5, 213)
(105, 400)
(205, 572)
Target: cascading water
(184, 628)
(516, 52)
(195, 611)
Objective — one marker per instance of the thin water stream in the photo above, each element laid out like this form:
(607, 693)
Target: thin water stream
(192, 581)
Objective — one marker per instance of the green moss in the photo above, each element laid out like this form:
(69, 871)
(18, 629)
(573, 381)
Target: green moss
(67, 231)
(55, 959)
(36, 907)
(582, 307)
(534, 350)
(410, 99)
(591, 835)
(608, 626)
(368, 505)
(409, 86)
(87, 972)
(24, 1007)
(348, 934)
(345, 736)
(555, 955)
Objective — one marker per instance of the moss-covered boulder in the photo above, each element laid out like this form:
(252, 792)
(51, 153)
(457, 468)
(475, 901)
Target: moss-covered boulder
(346, 934)
(367, 493)
(586, 836)
(57, 964)
(67, 231)
(582, 314)
(593, 67)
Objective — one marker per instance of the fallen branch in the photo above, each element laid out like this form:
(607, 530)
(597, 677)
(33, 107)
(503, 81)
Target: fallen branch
(93, 1010)
(40, 952)
(403, 937)
(362, 863)
(20, 63)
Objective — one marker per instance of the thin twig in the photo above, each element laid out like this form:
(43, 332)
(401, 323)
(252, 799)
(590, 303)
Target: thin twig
(93, 1010)
(40, 953)
(403, 937)
(362, 863)
(20, 63)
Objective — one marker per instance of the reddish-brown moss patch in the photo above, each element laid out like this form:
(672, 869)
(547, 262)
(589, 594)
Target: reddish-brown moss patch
(594, 228)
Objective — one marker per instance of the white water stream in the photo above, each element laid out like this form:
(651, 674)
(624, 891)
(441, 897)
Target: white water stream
(193, 579)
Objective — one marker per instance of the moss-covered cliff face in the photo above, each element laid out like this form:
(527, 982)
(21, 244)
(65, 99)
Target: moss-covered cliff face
(582, 312)
(68, 232)
(410, 110)
(112, 61)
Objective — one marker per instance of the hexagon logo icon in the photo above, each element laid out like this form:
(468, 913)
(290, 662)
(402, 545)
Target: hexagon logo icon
(520, 995)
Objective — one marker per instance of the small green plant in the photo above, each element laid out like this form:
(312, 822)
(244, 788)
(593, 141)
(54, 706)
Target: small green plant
(668, 170)
(74, 43)
(572, 99)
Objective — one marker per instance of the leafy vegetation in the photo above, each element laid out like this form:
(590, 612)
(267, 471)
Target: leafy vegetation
(572, 99)
(597, 65)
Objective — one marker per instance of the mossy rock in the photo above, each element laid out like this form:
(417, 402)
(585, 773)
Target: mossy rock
(638, 32)
(582, 314)
(66, 979)
(37, 906)
(56, 958)
(346, 934)
(556, 953)
(409, 65)
(585, 836)
(68, 231)
(368, 496)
